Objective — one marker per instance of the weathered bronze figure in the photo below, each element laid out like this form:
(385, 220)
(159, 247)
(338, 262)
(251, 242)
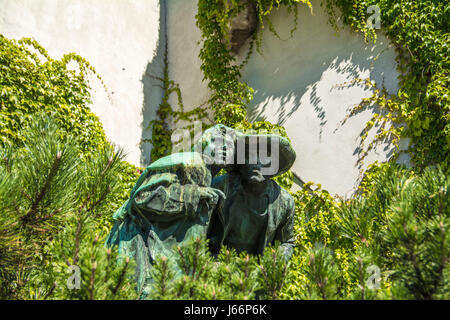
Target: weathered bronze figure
(257, 212)
(173, 201)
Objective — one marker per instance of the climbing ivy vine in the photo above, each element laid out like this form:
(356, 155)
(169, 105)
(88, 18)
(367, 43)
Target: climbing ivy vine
(32, 82)
(421, 107)
(420, 110)
(161, 132)
(229, 93)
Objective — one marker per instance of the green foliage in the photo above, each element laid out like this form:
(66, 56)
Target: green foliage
(60, 180)
(127, 175)
(337, 240)
(51, 202)
(273, 270)
(398, 223)
(213, 18)
(195, 274)
(418, 225)
(317, 234)
(56, 206)
(103, 274)
(323, 272)
(32, 82)
(229, 94)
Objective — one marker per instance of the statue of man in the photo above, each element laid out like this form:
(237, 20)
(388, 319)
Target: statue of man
(256, 212)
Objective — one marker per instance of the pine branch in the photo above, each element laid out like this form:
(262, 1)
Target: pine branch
(246, 261)
(43, 191)
(163, 276)
(194, 263)
(443, 259)
(49, 216)
(92, 281)
(361, 278)
(77, 241)
(107, 166)
(121, 277)
(422, 284)
(99, 201)
(26, 195)
(50, 292)
(183, 261)
(200, 272)
(183, 285)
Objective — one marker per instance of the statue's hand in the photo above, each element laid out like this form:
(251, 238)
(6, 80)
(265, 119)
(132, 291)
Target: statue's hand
(221, 195)
(212, 196)
(221, 200)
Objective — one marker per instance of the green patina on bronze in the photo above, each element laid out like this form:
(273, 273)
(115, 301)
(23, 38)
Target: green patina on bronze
(170, 204)
(173, 202)
(255, 213)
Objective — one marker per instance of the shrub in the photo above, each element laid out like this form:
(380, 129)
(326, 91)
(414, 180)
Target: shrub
(394, 234)
(51, 202)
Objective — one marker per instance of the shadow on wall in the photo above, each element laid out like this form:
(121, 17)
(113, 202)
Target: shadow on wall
(153, 87)
(291, 87)
(299, 91)
(305, 84)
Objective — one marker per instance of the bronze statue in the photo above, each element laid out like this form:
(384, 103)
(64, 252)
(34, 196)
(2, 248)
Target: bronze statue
(173, 200)
(257, 212)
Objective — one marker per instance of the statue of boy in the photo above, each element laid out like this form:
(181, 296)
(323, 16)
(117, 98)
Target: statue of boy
(171, 202)
(256, 212)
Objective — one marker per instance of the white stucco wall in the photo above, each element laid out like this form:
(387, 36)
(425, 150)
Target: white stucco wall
(184, 63)
(301, 84)
(298, 82)
(119, 38)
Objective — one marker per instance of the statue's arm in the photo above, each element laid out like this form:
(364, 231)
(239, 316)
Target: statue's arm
(285, 232)
(165, 202)
(171, 200)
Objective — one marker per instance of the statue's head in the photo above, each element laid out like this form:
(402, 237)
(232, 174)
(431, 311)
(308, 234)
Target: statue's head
(259, 157)
(254, 156)
(217, 146)
(253, 173)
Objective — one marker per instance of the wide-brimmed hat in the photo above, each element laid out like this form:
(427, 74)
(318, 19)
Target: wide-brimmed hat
(286, 154)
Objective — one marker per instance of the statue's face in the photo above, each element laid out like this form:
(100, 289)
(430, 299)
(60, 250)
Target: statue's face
(252, 173)
(220, 149)
(223, 148)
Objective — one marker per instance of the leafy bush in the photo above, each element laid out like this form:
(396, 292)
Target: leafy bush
(388, 242)
(195, 274)
(399, 226)
(32, 82)
(51, 202)
(60, 180)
